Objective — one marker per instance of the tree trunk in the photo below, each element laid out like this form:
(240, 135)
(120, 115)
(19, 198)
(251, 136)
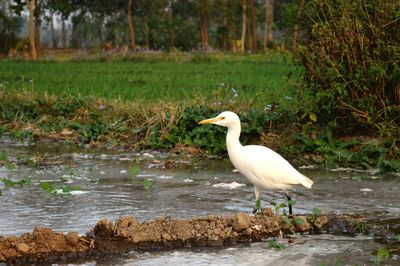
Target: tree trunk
(130, 25)
(253, 24)
(5, 8)
(64, 34)
(74, 37)
(244, 22)
(170, 29)
(38, 42)
(203, 30)
(146, 31)
(249, 35)
(269, 20)
(296, 25)
(53, 33)
(31, 26)
(226, 37)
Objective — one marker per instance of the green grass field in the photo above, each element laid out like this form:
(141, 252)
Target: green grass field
(262, 79)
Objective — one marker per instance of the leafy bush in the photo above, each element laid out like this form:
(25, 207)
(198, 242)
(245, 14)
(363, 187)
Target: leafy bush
(352, 58)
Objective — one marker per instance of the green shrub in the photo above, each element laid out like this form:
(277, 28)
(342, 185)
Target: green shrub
(351, 54)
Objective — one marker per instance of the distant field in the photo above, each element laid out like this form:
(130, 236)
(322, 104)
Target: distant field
(151, 81)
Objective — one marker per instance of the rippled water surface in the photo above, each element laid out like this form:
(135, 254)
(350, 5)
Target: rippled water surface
(184, 188)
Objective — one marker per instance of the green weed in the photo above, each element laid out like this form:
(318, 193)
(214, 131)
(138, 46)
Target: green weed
(276, 245)
(148, 184)
(134, 170)
(282, 206)
(360, 226)
(381, 255)
(22, 182)
(50, 188)
(315, 213)
(299, 220)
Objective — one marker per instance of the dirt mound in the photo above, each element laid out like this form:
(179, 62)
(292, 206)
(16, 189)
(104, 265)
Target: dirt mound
(43, 244)
(127, 233)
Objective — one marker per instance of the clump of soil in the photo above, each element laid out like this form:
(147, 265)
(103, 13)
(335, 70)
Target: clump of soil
(43, 244)
(127, 233)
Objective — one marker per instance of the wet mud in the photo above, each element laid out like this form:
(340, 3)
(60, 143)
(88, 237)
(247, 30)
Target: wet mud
(127, 234)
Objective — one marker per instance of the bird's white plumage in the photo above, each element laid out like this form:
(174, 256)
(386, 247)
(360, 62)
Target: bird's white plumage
(263, 167)
(266, 168)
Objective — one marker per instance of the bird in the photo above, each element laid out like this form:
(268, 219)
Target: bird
(263, 167)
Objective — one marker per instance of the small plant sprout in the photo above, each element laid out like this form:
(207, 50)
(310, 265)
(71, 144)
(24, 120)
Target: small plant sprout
(381, 255)
(3, 156)
(299, 220)
(50, 188)
(22, 182)
(360, 226)
(276, 245)
(315, 213)
(4, 159)
(147, 183)
(134, 170)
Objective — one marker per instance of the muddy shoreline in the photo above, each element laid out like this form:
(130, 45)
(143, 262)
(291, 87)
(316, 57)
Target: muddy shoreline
(128, 234)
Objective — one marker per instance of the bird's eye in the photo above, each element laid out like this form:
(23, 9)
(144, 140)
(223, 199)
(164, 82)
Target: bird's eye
(222, 118)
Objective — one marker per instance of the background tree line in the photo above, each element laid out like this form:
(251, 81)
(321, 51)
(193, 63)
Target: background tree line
(350, 50)
(228, 25)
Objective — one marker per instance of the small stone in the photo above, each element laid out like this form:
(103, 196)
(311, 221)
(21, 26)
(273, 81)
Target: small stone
(22, 247)
(217, 231)
(241, 222)
(256, 227)
(304, 225)
(248, 231)
(166, 236)
(72, 238)
(66, 132)
(267, 212)
(320, 222)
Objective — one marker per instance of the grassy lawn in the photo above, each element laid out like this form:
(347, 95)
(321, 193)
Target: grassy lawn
(262, 79)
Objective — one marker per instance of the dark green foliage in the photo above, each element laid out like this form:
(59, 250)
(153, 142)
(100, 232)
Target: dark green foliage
(276, 245)
(382, 254)
(23, 111)
(352, 61)
(68, 106)
(351, 152)
(22, 182)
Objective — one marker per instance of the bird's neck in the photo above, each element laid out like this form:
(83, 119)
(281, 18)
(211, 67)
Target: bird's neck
(232, 139)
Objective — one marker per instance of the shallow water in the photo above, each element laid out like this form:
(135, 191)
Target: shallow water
(188, 190)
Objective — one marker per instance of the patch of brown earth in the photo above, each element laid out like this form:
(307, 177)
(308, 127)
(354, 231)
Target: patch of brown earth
(127, 233)
(43, 244)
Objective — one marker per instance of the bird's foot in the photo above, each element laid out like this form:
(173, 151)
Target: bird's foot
(257, 209)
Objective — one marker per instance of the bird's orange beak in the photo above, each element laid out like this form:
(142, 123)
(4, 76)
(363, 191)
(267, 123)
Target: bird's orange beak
(208, 121)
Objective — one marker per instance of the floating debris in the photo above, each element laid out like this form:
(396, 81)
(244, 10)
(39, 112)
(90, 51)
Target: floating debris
(232, 185)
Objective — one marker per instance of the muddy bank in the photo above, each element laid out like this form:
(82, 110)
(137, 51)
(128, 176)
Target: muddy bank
(127, 234)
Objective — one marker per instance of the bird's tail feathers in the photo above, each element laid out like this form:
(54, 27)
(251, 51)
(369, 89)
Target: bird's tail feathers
(307, 182)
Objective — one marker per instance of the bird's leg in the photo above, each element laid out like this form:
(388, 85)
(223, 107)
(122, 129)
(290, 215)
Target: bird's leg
(289, 198)
(257, 209)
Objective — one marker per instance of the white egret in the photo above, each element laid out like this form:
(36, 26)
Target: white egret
(263, 167)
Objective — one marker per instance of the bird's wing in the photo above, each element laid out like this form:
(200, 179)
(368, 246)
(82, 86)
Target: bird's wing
(270, 167)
